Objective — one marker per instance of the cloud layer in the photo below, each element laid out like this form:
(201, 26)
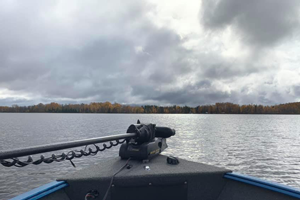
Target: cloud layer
(261, 23)
(239, 51)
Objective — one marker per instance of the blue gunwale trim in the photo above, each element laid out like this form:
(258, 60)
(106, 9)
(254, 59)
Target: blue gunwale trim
(264, 184)
(41, 191)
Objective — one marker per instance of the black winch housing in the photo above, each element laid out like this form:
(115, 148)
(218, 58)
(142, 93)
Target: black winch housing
(149, 141)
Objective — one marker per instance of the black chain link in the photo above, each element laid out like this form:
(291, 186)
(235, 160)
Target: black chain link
(61, 157)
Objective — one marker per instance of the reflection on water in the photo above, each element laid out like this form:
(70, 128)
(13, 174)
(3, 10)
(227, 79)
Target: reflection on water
(265, 146)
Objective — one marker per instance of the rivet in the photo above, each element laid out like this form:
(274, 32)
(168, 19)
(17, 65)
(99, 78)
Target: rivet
(185, 182)
(150, 183)
(112, 185)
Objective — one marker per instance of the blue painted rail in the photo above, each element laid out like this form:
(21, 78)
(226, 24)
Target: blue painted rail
(264, 184)
(41, 191)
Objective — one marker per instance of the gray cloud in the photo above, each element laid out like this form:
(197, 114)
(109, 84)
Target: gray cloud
(102, 67)
(193, 94)
(296, 90)
(103, 52)
(260, 23)
(14, 101)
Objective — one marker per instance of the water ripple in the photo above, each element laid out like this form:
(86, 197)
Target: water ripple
(265, 146)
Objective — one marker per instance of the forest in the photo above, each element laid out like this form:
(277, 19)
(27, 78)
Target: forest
(107, 107)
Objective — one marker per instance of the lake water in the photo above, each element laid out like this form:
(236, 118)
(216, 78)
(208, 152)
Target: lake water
(265, 146)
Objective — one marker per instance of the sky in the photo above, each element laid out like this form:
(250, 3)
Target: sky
(150, 52)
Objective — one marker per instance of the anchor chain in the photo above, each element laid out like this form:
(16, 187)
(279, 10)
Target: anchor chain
(61, 157)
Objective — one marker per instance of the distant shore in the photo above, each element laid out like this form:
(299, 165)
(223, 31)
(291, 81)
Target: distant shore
(107, 107)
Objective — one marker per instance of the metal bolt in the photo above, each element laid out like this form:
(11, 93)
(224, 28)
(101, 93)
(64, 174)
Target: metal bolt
(185, 182)
(112, 185)
(150, 183)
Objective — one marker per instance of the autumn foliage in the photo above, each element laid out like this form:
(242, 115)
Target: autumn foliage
(107, 107)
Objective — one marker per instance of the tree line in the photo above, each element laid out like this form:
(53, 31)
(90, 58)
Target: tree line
(107, 107)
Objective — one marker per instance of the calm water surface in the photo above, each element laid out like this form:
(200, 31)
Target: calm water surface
(265, 146)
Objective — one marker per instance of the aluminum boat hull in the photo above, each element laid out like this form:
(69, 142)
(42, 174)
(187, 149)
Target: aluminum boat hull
(161, 181)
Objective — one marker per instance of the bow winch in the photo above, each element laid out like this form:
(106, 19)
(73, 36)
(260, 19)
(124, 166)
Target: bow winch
(140, 142)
